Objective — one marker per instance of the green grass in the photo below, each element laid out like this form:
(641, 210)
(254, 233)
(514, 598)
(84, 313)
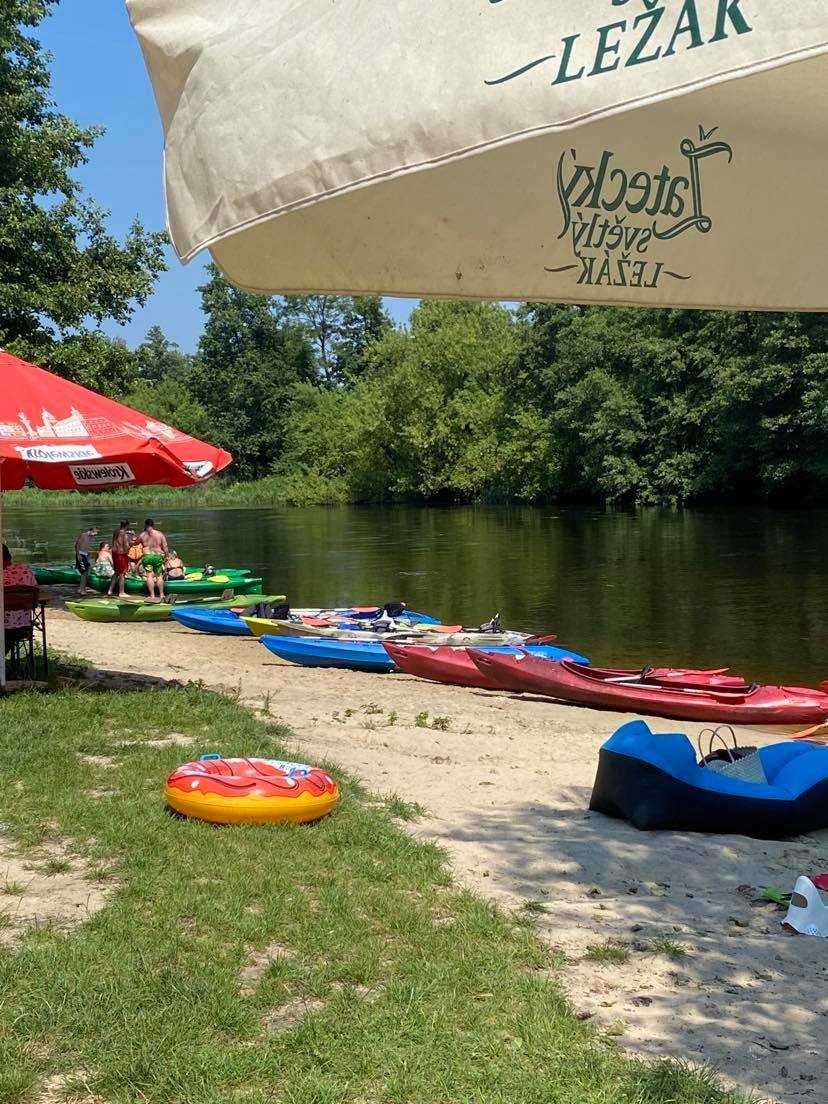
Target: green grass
(309, 490)
(417, 992)
(535, 907)
(663, 944)
(611, 951)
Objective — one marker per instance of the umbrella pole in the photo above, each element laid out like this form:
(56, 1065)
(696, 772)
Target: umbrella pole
(2, 597)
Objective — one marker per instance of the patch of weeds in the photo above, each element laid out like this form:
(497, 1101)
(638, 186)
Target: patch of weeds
(56, 866)
(421, 720)
(13, 889)
(370, 726)
(441, 723)
(663, 944)
(611, 951)
(404, 810)
(372, 709)
(391, 719)
(534, 907)
(100, 874)
(5, 920)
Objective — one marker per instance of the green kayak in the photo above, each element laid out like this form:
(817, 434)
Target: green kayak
(134, 609)
(214, 586)
(55, 576)
(67, 575)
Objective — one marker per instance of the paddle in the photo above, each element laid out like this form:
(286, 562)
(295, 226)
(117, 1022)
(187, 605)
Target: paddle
(809, 733)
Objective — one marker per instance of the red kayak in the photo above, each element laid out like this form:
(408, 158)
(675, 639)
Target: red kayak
(680, 698)
(455, 667)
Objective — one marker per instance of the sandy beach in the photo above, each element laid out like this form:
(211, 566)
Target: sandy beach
(505, 781)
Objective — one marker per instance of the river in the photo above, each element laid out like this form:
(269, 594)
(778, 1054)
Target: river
(742, 588)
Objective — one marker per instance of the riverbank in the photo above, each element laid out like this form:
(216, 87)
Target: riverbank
(660, 941)
(301, 489)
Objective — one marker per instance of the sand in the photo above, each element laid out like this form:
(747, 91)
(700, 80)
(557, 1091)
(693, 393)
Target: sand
(506, 784)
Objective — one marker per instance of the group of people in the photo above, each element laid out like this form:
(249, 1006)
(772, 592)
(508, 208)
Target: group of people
(145, 555)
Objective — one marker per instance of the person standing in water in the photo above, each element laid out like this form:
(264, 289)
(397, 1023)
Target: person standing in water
(120, 557)
(155, 553)
(83, 546)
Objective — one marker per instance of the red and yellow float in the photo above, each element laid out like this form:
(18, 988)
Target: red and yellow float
(250, 791)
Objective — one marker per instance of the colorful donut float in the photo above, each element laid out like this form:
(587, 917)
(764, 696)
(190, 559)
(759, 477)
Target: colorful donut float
(250, 791)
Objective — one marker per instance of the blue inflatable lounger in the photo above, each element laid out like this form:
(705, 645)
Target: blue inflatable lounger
(656, 782)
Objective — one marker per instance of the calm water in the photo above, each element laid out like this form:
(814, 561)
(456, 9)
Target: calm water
(747, 589)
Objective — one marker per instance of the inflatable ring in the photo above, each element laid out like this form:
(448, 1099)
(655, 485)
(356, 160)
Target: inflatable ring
(250, 791)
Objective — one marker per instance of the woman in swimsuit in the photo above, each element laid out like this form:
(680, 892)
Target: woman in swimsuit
(174, 566)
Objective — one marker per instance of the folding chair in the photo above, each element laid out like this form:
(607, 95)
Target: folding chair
(20, 641)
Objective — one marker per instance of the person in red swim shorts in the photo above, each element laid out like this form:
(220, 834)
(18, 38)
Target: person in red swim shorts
(120, 557)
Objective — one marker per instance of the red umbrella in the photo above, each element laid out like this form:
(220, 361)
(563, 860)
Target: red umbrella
(63, 437)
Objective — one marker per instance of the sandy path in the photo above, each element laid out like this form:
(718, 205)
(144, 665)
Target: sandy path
(506, 787)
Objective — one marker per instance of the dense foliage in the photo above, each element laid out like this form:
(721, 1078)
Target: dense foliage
(477, 402)
(325, 398)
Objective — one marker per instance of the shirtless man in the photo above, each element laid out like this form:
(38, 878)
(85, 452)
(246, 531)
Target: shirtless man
(155, 553)
(120, 558)
(83, 546)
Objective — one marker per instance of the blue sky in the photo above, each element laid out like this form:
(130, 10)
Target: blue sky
(99, 78)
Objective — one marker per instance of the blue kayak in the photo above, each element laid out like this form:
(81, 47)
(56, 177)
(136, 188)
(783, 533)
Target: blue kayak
(229, 623)
(220, 622)
(365, 655)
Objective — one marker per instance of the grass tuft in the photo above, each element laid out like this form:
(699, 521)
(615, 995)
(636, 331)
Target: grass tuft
(663, 944)
(404, 810)
(611, 951)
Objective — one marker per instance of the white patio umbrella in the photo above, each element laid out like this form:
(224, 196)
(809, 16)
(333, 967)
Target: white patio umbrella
(652, 152)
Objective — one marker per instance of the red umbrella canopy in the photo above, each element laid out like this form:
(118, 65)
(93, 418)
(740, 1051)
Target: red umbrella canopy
(64, 437)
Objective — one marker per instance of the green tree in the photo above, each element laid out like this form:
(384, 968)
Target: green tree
(422, 420)
(157, 358)
(171, 401)
(250, 362)
(59, 266)
(364, 322)
(340, 329)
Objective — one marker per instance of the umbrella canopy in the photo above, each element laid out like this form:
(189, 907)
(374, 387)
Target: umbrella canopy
(651, 152)
(64, 437)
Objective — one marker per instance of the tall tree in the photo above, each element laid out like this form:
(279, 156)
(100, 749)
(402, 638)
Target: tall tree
(340, 329)
(250, 362)
(157, 358)
(59, 266)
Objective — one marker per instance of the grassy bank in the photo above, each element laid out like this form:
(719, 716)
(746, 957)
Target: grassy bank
(302, 489)
(309, 965)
